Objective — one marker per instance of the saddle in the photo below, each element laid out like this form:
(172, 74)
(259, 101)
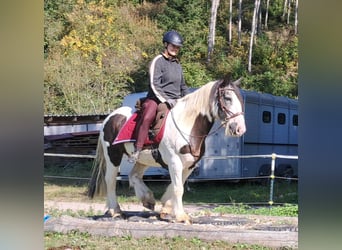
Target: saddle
(128, 131)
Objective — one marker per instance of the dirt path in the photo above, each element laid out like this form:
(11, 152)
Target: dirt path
(271, 231)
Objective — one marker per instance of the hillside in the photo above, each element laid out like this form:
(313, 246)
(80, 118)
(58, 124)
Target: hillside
(97, 52)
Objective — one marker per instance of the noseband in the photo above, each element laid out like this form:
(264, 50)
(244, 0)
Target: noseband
(229, 114)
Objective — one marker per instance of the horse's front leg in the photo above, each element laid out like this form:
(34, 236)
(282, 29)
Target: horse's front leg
(112, 202)
(141, 190)
(173, 197)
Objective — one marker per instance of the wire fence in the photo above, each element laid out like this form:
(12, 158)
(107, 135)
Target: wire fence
(270, 177)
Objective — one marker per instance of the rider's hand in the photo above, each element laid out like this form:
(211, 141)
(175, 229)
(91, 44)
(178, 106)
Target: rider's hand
(170, 103)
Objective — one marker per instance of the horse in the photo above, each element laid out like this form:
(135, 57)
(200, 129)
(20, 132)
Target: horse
(182, 145)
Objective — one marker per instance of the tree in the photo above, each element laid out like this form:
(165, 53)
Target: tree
(97, 51)
(212, 27)
(266, 14)
(288, 12)
(239, 22)
(92, 65)
(296, 17)
(253, 29)
(230, 20)
(284, 9)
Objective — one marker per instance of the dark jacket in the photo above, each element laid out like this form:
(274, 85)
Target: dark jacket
(166, 79)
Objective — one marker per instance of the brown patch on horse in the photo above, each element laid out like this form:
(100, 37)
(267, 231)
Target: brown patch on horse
(111, 130)
(112, 127)
(199, 132)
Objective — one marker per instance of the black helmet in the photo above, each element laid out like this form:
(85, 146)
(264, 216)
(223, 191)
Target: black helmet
(173, 37)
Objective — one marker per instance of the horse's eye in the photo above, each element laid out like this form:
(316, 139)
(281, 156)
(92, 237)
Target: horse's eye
(228, 99)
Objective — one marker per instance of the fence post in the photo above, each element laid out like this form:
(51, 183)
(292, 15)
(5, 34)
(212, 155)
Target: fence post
(274, 156)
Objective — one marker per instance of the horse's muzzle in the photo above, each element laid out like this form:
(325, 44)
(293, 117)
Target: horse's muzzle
(233, 129)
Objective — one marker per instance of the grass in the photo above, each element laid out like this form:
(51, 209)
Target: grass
(85, 241)
(231, 198)
(283, 210)
(211, 192)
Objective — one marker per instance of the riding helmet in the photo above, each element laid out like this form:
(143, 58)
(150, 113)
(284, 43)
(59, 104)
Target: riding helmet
(173, 37)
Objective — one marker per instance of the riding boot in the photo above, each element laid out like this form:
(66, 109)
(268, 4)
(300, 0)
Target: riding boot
(134, 156)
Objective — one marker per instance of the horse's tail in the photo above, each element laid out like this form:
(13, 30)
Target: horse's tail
(97, 184)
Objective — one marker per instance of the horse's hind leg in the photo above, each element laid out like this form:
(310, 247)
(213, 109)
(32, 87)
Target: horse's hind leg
(141, 190)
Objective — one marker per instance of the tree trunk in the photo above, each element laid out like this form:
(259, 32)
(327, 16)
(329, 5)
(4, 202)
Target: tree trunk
(288, 11)
(230, 20)
(296, 18)
(259, 20)
(212, 26)
(256, 8)
(266, 14)
(284, 10)
(240, 16)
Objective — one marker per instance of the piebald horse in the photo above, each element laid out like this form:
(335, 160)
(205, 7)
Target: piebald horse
(187, 125)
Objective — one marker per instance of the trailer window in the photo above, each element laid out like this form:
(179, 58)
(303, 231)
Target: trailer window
(295, 120)
(266, 117)
(281, 118)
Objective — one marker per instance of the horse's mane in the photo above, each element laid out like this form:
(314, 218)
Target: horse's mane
(200, 101)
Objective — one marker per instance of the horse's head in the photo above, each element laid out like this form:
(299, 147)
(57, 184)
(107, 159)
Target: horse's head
(231, 107)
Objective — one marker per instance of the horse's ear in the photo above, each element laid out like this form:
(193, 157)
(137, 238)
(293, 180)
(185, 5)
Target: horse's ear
(237, 82)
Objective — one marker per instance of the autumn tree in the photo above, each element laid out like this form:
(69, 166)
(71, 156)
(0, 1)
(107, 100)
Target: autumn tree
(91, 67)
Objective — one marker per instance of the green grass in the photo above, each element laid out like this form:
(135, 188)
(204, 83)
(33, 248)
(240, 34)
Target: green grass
(85, 241)
(242, 192)
(283, 210)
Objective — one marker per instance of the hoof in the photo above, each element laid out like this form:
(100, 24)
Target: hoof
(149, 205)
(181, 219)
(166, 217)
(112, 213)
(184, 219)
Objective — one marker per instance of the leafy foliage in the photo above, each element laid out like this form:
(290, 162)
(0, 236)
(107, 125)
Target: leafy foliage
(89, 70)
(96, 52)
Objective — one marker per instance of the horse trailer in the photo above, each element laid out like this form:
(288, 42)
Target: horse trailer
(272, 125)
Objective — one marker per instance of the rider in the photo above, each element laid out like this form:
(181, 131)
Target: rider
(166, 86)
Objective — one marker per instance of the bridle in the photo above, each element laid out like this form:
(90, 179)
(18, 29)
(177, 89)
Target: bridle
(229, 114)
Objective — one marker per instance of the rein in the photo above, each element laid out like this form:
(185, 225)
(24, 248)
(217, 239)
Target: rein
(195, 136)
(183, 134)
